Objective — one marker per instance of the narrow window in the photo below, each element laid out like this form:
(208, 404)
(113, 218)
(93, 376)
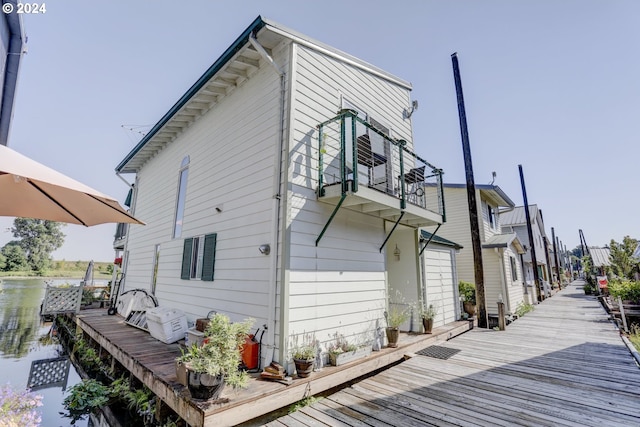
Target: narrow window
(493, 220)
(154, 273)
(514, 271)
(182, 191)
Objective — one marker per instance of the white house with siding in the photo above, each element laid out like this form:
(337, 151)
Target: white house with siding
(278, 187)
(500, 250)
(515, 220)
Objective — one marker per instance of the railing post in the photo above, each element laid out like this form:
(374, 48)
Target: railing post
(320, 160)
(354, 149)
(343, 163)
(403, 202)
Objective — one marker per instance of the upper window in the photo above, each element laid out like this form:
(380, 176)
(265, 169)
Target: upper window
(198, 257)
(182, 192)
(493, 217)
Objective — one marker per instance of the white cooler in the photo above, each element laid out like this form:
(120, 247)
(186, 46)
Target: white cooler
(166, 324)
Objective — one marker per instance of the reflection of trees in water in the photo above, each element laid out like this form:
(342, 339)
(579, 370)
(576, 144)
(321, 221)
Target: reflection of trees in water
(19, 311)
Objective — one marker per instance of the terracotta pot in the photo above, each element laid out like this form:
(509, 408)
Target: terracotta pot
(181, 373)
(469, 308)
(393, 335)
(303, 367)
(204, 386)
(428, 325)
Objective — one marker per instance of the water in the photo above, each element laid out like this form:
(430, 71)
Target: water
(24, 339)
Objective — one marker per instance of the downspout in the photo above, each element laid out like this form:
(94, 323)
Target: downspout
(277, 205)
(503, 279)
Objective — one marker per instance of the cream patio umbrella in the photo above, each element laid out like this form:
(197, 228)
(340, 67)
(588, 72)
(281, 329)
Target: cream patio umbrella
(29, 189)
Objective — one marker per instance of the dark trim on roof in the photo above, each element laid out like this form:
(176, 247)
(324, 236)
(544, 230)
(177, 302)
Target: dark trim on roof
(255, 26)
(425, 235)
(12, 67)
(486, 187)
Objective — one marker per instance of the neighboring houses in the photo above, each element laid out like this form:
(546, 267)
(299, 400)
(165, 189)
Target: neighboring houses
(515, 220)
(600, 257)
(501, 250)
(12, 42)
(283, 186)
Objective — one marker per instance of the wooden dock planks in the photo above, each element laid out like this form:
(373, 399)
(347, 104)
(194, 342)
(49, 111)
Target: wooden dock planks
(563, 364)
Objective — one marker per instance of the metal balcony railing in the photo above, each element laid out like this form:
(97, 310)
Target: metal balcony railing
(354, 153)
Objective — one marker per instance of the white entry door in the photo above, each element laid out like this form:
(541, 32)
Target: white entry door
(440, 289)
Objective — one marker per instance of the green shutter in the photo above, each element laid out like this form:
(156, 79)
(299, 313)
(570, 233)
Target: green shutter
(209, 257)
(186, 259)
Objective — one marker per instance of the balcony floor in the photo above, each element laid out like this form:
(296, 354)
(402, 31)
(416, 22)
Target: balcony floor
(377, 203)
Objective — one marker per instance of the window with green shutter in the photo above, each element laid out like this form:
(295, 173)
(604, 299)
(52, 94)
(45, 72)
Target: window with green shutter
(198, 258)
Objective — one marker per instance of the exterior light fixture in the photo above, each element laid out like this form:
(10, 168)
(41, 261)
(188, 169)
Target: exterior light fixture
(396, 253)
(265, 249)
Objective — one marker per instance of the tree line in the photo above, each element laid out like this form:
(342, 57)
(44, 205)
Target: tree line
(36, 240)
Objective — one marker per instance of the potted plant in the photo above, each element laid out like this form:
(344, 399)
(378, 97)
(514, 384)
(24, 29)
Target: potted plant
(467, 292)
(397, 314)
(215, 364)
(341, 351)
(427, 314)
(304, 356)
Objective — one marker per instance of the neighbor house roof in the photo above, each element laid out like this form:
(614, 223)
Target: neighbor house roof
(425, 236)
(236, 65)
(517, 215)
(492, 192)
(600, 256)
(503, 241)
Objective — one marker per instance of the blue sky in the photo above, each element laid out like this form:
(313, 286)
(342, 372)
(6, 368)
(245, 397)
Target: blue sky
(551, 85)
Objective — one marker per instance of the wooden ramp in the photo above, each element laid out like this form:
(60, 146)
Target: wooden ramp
(563, 364)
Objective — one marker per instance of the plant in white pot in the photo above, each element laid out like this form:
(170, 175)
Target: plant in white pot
(342, 351)
(215, 364)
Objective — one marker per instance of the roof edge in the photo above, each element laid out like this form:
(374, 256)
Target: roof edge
(255, 26)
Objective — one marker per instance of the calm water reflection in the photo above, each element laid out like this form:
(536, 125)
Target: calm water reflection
(24, 339)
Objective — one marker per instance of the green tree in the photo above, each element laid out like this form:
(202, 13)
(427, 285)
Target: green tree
(622, 263)
(39, 238)
(14, 257)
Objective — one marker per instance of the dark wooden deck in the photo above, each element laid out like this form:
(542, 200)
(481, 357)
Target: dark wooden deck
(152, 362)
(562, 365)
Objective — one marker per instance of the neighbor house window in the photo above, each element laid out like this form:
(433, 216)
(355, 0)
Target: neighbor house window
(198, 258)
(182, 192)
(514, 271)
(493, 218)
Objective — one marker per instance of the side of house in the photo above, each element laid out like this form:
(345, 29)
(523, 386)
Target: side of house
(239, 218)
(500, 254)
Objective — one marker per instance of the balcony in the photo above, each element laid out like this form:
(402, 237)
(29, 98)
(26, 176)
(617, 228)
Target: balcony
(362, 169)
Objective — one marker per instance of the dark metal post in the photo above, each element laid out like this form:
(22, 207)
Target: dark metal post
(532, 247)
(556, 245)
(471, 199)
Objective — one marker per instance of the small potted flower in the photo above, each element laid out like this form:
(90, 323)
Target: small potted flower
(427, 314)
(304, 355)
(398, 313)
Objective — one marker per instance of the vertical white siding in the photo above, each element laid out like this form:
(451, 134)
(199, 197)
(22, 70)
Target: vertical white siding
(338, 286)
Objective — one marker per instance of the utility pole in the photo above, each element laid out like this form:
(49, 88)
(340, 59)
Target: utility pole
(534, 261)
(471, 199)
(556, 246)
